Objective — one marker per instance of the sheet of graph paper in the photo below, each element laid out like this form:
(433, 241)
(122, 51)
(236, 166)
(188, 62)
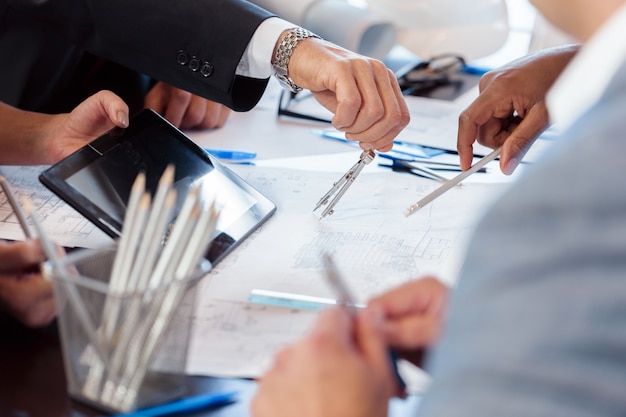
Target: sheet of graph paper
(64, 225)
(374, 245)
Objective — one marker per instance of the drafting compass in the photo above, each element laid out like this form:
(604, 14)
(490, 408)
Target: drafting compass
(340, 187)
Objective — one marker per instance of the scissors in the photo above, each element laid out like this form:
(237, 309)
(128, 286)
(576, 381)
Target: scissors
(340, 187)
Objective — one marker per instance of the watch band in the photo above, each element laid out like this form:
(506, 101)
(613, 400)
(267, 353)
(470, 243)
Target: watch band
(283, 54)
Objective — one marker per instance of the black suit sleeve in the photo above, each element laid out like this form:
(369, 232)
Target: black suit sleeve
(195, 45)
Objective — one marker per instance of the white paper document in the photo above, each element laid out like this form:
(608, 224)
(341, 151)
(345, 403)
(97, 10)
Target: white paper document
(64, 225)
(374, 245)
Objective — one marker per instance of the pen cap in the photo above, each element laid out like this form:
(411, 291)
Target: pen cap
(143, 362)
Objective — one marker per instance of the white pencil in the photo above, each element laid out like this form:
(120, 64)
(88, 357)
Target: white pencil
(152, 233)
(16, 206)
(135, 234)
(198, 242)
(136, 192)
(152, 244)
(74, 298)
(109, 319)
(174, 239)
(452, 183)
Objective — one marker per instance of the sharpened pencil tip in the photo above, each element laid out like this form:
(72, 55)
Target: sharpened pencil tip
(412, 210)
(140, 182)
(168, 175)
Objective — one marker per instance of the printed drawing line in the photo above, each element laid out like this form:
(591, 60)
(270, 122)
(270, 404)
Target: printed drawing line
(64, 225)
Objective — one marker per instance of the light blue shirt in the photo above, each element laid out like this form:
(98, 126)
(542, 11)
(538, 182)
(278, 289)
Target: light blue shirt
(538, 319)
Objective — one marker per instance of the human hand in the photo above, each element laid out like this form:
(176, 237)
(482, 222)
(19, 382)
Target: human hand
(341, 369)
(185, 110)
(511, 109)
(361, 92)
(24, 293)
(413, 314)
(91, 118)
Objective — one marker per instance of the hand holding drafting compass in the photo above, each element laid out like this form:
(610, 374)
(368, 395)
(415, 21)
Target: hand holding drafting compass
(340, 187)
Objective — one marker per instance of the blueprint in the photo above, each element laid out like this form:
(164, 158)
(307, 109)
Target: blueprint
(64, 225)
(374, 245)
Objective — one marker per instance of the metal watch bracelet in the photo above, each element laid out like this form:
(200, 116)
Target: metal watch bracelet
(283, 55)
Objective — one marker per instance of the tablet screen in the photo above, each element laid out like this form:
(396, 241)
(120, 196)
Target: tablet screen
(97, 179)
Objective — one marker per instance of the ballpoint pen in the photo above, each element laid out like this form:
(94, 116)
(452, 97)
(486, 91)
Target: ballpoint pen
(405, 149)
(474, 69)
(453, 182)
(428, 164)
(408, 158)
(400, 166)
(346, 300)
(231, 155)
(185, 405)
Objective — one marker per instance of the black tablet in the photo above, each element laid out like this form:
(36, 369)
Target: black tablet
(96, 180)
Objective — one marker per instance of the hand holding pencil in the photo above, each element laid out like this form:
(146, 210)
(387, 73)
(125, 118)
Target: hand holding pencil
(24, 293)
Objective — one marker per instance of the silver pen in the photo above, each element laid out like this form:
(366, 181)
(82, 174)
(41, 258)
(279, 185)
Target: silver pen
(346, 300)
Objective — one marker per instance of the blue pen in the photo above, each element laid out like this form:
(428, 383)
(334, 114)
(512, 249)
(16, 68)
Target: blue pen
(404, 148)
(231, 155)
(185, 405)
(474, 70)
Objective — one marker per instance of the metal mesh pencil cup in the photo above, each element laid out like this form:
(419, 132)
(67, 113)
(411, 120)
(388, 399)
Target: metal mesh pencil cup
(121, 350)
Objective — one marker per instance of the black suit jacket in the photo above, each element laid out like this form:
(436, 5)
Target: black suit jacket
(193, 44)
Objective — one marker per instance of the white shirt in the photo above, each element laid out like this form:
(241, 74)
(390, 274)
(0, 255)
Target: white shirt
(587, 76)
(256, 61)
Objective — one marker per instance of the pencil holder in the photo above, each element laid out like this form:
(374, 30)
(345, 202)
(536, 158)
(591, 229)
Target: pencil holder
(122, 350)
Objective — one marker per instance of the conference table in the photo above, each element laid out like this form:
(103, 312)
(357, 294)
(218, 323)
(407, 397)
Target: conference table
(32, 378)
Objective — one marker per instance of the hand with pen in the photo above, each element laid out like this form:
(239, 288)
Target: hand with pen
(24, 293)
(511, 111)
(413, 316)
(342, 367)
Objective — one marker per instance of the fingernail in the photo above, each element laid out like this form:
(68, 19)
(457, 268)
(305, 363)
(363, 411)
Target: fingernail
(366, 146)
(510, 166)
(122, 118)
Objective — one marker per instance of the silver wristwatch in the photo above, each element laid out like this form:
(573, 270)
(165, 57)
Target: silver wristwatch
(283, 54)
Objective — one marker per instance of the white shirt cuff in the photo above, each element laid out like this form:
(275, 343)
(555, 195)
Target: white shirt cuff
(256, 61)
